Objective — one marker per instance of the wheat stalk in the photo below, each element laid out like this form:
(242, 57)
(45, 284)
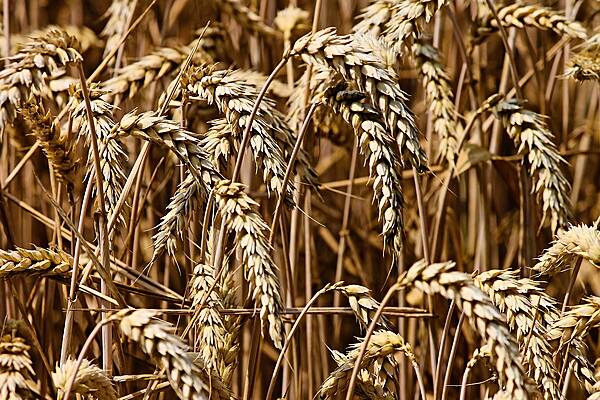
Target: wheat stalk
(28, 70)
(521, 15)
(381, 345)
(532, 137)
(40, 260)
(157, 339)
(376, 145)
(355, 61)
(585, 64)
(16, 369)
(582, 241)
(241, 217)
(89, 381)
(57, 147)
(110, 148)
(519, 299)
(439, 278)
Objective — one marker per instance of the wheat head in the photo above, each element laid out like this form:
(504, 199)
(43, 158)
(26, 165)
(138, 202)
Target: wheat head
(90, 380)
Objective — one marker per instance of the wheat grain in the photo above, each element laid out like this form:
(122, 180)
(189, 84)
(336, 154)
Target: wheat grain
(239, 212)
(521, 15)
(89, 381)
(16, 369)
(519, 299)
(355, 61)
(40, 260)
(582, 241)
(58, 148)
(156, 339)
(484, 317)
(533, 138)
(376, 145)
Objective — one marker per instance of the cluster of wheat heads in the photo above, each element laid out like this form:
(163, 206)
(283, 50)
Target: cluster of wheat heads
(236, 199)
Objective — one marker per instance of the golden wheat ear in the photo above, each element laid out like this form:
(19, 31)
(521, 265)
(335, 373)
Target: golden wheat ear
(89, 381)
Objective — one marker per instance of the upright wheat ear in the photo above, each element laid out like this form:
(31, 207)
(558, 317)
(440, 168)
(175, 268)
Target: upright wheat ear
(119, 13)
(157, 339)
(29, 68)
(355, 61)
(582, 241)
(534, 140)
(484, 317)
(90, 380)
(15, 369)
(241, 216)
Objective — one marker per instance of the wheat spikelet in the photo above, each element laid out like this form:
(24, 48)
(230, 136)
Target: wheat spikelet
(239, 212)
(484, 317)
(374, 17)
(246, 17)
(532, 137)
(90, 380)
(58, 148)
(28, 70)
(582, 241)
(110, 148)
(164, 61)
(211, 330)
(236, 99)
(218, 142)
(382, 344)
(15, 369)
(585, 64)
(233, 324)
(355, 61)
(44, 261)
(518, 299)
(439, 95)
(376, 145)
(119, 13)
(521, 15)
(576, 322)
(156, 339)
(362, 304)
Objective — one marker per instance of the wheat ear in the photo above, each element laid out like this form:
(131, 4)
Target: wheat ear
(90, 380)
(582, 241)
(16, 369)
(247, 18)
(355, 61)
(119, 13)
(576, 322)
(485, 318)
(533, 138)
(585, 64)
(376, 145)
(520, 15)
(157, 339)
(38, 261)
(57, 147)
(518, 299)
(86, 37)
(29, 68)
(241, 216)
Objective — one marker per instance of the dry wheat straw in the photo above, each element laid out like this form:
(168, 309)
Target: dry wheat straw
(440, 98)
(235, 99)
(90, 380)
(522, 15)
(247, 18)
(57, 147)
(485, 318)
(377, 146)
(355, 61)
(110, 148)
(211, 330)
(28, 70)
(38, 261)
(16, 369)
(157, 339)
(533, 138)
(585, 64)
(518, 300)
(382, 344)
(119, 13)
(241, 216)
(164, 61)
(582, 241)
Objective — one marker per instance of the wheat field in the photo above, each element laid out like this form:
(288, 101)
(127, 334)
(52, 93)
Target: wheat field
(299, 199)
